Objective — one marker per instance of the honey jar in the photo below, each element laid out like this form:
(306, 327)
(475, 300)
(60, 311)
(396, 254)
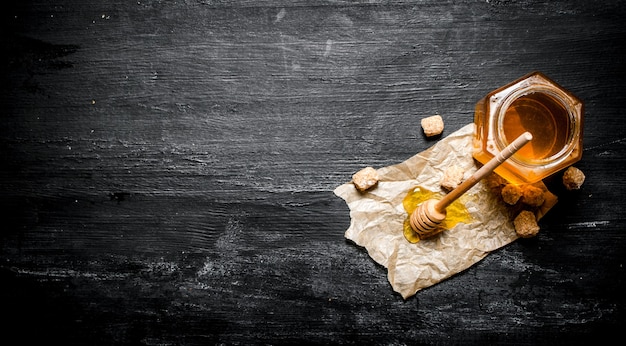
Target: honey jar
(536, 104)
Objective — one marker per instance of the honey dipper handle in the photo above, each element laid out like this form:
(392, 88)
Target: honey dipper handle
(483, 171)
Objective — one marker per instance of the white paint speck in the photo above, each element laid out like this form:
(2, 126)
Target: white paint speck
(280, 15)
(329, 47)
(589, 224)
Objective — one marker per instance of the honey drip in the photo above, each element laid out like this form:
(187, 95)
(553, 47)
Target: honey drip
(456, 212)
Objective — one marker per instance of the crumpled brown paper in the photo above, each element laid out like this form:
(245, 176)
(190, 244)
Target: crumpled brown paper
(377, 218)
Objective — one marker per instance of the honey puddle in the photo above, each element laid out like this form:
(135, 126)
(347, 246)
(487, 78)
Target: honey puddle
(456, 212)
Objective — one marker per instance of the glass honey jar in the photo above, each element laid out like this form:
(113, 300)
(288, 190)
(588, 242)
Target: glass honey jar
(536, 104)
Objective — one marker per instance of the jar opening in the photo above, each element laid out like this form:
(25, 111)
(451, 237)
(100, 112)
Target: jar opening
(546, 117)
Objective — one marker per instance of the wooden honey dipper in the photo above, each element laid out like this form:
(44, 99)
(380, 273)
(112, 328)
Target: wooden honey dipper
(431, 213)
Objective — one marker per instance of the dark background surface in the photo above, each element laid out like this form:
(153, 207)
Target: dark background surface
(167, 169)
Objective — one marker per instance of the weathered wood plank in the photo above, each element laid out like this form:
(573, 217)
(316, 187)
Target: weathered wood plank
(167, 169)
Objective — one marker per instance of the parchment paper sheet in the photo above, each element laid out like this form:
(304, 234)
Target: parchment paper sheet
(377, 218)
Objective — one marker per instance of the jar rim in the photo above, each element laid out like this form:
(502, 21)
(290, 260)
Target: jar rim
(559, 98)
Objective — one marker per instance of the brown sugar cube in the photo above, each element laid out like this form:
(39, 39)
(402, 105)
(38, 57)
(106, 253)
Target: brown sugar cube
(432, 125)
(573, 178)
(511, 193)
(532, 196)
(452, 177)
(495, 182)
(365, 179)
(525, 224)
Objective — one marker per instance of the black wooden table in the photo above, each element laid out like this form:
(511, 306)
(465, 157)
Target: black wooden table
(167, 169)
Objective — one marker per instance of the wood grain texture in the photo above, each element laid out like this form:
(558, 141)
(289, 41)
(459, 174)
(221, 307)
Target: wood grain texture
(167, 169)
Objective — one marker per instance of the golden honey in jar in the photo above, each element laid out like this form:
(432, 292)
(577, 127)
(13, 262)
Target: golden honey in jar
(536, 104)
